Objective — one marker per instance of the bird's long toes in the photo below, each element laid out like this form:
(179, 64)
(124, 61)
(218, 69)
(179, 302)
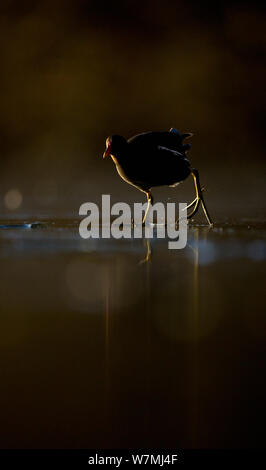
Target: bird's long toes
(192, 203)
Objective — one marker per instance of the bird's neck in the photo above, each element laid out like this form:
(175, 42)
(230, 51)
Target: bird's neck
(120, 155)
(115, 160)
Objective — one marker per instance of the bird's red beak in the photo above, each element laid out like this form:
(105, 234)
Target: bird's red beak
(108, 150)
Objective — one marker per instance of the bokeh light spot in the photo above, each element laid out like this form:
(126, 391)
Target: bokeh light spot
(13, 199)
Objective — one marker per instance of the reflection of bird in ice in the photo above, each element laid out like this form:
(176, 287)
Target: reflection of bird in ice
(155, 159)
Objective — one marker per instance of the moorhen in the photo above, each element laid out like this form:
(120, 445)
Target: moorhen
(155, 159)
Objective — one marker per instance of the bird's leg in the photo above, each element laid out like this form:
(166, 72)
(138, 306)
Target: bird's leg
(150, 202)
(195, 210)
(191, 204)
(195, 174)
(199, 198)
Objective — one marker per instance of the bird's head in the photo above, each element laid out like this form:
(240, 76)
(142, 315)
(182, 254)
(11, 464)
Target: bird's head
(115, 145)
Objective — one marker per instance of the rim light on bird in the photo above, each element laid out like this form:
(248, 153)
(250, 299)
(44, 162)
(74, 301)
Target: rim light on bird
(155, 159)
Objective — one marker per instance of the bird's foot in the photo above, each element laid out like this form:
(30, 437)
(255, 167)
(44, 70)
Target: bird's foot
(196, 204)
(191, 204)
(198, 201)
(195, 200)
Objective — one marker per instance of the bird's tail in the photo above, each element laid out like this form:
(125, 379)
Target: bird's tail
(185, 147)
(187, 135)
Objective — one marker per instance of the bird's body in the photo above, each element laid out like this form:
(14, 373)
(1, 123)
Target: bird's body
(153, 159)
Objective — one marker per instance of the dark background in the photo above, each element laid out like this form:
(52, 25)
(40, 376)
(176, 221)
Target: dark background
(74, 72)
(97, 348)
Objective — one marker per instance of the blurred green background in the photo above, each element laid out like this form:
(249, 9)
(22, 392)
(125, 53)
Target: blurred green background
(75, 71)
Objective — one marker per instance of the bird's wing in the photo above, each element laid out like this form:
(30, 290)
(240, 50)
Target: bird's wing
(159, 166)
(174, 153)
(164, 152)
(169, 140)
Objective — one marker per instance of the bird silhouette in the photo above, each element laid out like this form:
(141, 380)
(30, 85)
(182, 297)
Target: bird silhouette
(155, 159)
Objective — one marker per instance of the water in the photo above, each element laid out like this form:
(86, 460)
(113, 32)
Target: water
(102, 349)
